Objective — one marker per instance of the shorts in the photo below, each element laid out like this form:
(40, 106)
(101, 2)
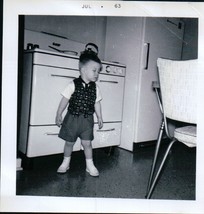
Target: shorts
(77, 126)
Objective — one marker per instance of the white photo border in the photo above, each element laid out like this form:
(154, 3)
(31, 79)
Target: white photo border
(12, 203)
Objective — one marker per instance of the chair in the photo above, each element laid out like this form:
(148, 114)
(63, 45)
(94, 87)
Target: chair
(178, 81)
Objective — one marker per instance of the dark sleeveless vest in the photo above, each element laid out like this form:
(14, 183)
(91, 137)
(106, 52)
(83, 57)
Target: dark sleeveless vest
(83, 99)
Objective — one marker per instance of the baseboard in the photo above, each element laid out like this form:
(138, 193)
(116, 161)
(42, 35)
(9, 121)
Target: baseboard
(147, 144)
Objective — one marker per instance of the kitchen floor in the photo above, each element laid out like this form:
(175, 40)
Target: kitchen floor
(123, 174)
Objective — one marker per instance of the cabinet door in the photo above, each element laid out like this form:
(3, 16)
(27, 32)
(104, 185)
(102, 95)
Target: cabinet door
(162, 38)
(112, 92)
(109, 135)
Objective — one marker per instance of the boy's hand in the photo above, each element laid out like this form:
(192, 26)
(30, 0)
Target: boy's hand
(100, 123)
(58, 120)
(62, 105)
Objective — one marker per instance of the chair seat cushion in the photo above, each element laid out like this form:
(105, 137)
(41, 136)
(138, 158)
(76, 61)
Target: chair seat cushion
(186, 135)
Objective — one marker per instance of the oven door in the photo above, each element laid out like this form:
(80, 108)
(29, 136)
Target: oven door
(112, 92)
(47, 84)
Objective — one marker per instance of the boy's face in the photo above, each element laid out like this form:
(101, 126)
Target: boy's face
(90, 71)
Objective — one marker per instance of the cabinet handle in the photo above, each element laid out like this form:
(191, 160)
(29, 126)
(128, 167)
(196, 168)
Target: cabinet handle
(147, 45)
(51, 133)
(107, 81)
(63, 76)
(106, 130)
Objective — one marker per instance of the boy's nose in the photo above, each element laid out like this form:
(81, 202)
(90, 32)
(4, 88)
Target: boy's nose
(96, 76)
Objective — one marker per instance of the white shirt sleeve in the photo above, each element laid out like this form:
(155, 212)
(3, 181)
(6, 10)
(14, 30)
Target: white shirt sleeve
(69, 90)
(98, 94)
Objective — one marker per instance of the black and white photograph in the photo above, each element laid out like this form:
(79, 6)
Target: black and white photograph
(129, 48)
(105, 110)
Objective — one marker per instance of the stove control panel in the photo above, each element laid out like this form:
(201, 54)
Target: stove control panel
(113, 69)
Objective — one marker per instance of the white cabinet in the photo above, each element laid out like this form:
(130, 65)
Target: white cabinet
(138, 42)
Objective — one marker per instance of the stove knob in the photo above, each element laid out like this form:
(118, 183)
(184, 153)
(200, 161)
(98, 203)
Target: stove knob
(108, 69)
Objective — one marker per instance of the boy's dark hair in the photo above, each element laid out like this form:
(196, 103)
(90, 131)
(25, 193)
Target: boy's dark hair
(88, 55)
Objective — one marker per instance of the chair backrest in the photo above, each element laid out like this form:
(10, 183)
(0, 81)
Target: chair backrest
(178, 83)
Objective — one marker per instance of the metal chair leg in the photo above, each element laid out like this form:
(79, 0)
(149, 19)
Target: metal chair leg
(160, 168)
(155, 156)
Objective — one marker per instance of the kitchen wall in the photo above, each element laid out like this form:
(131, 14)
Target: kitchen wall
(83, 29)
(190, 44)
(123, 44)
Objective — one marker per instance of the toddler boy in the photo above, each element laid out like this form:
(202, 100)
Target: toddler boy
(82, 96)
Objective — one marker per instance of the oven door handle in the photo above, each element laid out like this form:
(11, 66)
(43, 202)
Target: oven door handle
(108, 81)
(51, 133)
(63, 76)
(105, 130)
(98, 130)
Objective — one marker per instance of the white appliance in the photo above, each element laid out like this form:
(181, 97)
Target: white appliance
(46, 74)
(138, 42)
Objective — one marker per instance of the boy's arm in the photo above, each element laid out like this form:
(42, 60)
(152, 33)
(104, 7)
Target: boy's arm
(62, 105)
(99, 114)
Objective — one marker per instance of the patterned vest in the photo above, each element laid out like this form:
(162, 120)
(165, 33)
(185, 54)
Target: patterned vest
(83, 99)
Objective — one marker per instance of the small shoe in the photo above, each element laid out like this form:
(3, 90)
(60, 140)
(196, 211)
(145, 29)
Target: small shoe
(92, 171)
(62, 169)
(65, 165)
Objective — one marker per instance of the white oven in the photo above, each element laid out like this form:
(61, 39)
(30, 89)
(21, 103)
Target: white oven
(46, 74)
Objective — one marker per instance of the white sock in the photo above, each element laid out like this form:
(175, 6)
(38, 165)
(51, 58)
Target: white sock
(66, 160)
(89, 161)
(91, 168)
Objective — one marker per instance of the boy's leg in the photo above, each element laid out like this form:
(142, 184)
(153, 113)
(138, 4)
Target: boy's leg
(87, 148)
(90, 168)
(68, 148)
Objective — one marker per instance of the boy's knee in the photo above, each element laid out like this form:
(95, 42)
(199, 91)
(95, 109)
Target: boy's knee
(86, 143)
(70, 144)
